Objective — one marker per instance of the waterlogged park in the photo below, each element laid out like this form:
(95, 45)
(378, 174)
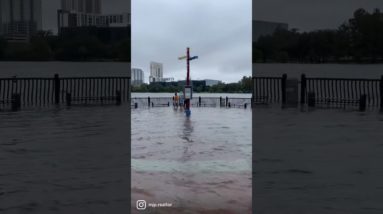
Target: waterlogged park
(189, 151)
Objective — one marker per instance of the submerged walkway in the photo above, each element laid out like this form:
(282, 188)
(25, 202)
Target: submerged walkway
(201, 161)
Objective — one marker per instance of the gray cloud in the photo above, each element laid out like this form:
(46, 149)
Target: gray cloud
(219, 32)
(309, 15)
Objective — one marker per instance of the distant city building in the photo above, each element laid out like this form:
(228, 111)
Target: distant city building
(265, 28)
(209, 82)
(86, 13)
(137, 76)
(156, 72)
(20, 19)
(82, 6)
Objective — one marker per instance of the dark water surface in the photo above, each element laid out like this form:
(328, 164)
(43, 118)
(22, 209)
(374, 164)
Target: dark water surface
(318, 162)
(58, 160)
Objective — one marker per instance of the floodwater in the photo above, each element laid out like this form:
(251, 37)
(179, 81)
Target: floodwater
(200, 164)
(320, 161)
(65, 160)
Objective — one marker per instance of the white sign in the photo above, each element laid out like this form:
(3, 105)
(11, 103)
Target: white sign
(188, 92)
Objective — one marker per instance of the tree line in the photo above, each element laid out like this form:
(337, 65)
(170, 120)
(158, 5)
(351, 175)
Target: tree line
(44, 46)
(358, 40)
(242, 86)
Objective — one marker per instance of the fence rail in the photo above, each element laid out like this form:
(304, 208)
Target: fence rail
(341, 91)
(328, 91)
(46, 91)
(138, 102)
(37, 91)
(268, 89)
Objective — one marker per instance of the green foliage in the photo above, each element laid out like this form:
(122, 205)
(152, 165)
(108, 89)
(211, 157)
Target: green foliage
(3, 46)
(39, 49)
(242, 86)
(77, 47)
(81, 48)
(122, 50)
(360, 39)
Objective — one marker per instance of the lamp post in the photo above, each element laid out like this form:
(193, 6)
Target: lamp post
(188, 88)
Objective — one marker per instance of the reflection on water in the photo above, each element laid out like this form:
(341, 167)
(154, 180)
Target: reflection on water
(199, 164)
(187, 130)
(58, 160)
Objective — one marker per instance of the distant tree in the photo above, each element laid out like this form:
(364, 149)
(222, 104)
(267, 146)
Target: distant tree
(122, 50)
(80, 48)
(359, 39)
(3, 46)
(39, 49)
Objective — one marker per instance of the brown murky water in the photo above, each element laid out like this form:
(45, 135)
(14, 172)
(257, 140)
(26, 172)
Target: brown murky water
(200, 164)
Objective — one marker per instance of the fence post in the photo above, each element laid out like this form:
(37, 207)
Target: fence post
(16, 102)
(57, 88)
(303, 89)
(199, 101)
(381, 93)
(220, 101)
(283, 85)
(363, 102)
(148, 101)
(118, 97)
(227, 100)
(311, 99)
(135, 105)
(68, 99)
(251, 101)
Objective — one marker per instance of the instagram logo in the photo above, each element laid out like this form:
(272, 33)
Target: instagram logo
(141, 204)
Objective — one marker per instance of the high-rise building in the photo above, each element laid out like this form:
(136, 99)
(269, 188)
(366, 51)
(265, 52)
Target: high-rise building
(84, 13)
(82, 6)
(19, 19)
(137, 76)
(156, 72)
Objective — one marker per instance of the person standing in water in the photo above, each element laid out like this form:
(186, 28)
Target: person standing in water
(176, 100)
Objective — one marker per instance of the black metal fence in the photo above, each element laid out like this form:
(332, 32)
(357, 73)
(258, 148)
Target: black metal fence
(342, 91)
(138, 102)
(269, 89)
(16, 92)
(325, 91)
(47, 91)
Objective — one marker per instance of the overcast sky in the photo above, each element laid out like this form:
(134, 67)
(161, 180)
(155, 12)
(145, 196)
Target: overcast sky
(218, 32)
(309, 15)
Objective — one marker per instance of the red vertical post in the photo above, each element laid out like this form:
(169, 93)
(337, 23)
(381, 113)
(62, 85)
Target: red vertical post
(188, 66)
